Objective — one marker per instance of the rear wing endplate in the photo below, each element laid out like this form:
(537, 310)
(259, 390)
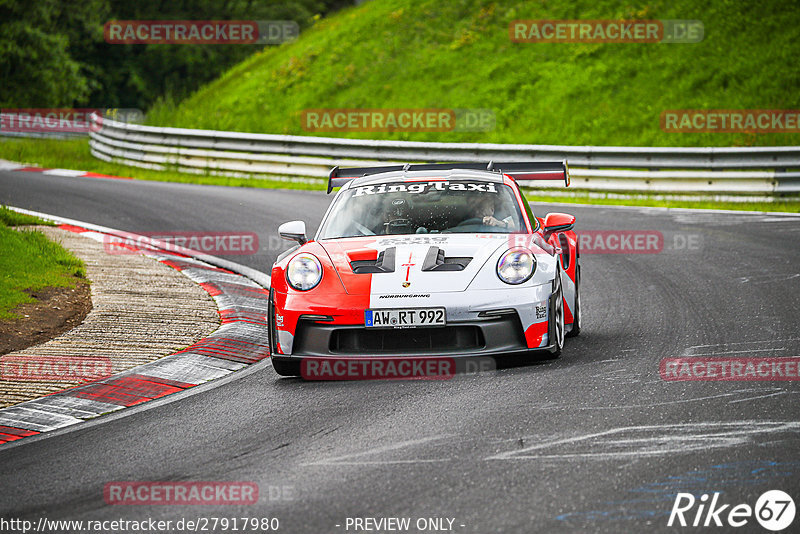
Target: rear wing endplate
(532, 170)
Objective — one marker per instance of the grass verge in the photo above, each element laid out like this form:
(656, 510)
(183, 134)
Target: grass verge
(12, 218)
(29, 261)
(430, 54)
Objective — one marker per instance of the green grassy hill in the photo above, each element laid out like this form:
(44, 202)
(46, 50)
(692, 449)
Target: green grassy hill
(437, 54)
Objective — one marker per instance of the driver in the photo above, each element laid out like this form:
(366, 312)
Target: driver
(396, 218)
(484, 210)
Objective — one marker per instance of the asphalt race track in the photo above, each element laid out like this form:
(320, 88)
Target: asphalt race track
(595, 441)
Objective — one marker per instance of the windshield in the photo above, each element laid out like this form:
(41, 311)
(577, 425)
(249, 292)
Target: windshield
(427, 207)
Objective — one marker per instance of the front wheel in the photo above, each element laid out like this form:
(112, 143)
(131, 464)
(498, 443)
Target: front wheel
(556, 328)
(282, 367)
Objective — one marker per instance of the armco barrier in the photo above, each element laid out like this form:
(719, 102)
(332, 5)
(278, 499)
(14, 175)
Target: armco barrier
(707, 170)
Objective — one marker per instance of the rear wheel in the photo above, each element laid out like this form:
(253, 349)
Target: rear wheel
(576, 307)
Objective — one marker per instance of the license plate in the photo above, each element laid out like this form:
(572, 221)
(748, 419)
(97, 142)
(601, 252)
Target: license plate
(405, 317)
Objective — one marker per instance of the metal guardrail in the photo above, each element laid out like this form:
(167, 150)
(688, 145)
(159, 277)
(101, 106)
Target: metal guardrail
(56, 123)
(9, 119)
(42, 135)
(708, 170)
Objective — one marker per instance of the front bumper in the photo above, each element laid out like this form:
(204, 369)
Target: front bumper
(487, 336)
(476, 345)
(482, 322)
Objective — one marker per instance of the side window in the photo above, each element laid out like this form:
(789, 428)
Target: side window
(529, 211)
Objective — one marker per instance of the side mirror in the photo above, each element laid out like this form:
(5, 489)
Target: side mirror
(293, 231)
(557, 222)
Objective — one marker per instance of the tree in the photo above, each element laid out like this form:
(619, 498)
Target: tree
(53, 53)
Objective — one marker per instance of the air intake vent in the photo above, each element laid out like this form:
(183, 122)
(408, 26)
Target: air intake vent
(435, 260)
(384, 263)
(447, 339)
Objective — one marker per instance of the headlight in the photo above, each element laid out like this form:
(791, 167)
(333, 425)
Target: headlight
(304, 272)
(516, 266)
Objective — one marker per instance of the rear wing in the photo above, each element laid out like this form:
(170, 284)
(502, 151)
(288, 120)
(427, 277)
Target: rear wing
(532, 170)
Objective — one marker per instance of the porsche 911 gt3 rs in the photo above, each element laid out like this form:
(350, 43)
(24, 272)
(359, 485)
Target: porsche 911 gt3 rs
(427, 260)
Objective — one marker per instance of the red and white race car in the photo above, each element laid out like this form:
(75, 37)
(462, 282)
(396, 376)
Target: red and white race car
(427, 260)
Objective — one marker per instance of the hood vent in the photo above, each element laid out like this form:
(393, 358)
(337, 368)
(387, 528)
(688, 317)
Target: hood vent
(435, 260)
(384, 263)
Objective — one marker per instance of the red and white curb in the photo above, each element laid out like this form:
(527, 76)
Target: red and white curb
(241, 340)
(69, 173)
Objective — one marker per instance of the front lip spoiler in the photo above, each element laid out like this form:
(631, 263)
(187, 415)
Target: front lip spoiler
(464, 364)
(463, 355)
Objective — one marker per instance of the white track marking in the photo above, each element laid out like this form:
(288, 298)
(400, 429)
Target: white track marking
(745, 342)
(743, 351)
(628, 443)
(667, 403)
(773, 394)
(650, 440)
(345, 459)
(766, 345)
(768, 278)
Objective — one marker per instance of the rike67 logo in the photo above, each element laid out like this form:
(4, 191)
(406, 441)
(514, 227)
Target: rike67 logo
(774, 511)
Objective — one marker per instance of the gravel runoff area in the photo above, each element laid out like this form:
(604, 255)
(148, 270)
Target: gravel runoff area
(142, 310)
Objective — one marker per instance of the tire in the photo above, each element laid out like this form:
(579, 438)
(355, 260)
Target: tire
(283, 368)
(576, 309)
(272, 332)
(557, 326)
